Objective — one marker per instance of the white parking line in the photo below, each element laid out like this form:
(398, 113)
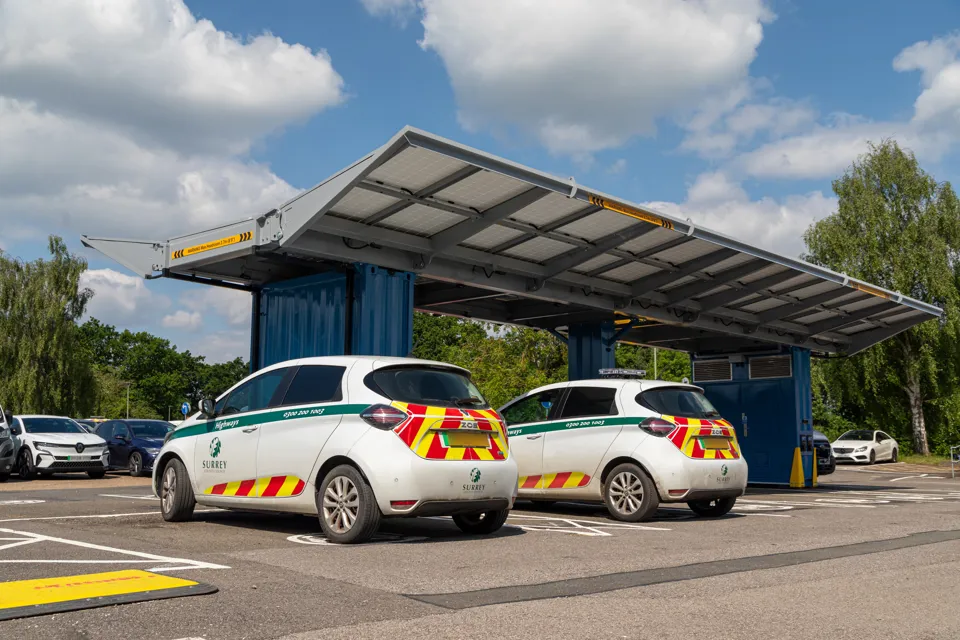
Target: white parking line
(118, 495)
(98, 515)
(167, 563)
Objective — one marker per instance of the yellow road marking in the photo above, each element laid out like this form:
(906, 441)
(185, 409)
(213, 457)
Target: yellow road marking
(27, 593)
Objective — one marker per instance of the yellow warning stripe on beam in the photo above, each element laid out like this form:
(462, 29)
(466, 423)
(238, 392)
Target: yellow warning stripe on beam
(215, 244)
(633, 212)
(868, 289)
(23, 598)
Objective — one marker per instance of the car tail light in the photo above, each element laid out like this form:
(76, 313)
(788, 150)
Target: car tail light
(402, 504)
(657, 427)
(383, 416)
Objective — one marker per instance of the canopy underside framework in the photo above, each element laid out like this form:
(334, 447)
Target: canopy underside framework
(497, 241)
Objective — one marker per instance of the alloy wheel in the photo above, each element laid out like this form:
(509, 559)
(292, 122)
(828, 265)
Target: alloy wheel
(168, 489)
(626, 490)
(341, 504)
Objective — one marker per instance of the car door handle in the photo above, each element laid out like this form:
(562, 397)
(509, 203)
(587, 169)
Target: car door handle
(250, 430)
(534, 437)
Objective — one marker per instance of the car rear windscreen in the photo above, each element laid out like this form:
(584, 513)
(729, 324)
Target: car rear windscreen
(677, 401)
(426, 385)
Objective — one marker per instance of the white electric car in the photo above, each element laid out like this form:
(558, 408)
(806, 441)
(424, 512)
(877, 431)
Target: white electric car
(350, 438)
(627, 442)
(864, 445)
(46, 445)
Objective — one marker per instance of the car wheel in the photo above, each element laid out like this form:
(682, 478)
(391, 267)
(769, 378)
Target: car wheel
(176, 495)
(25, 467)
(482, 523)
(873, 457)
(895, 455)
(630, 494)
(96, 475)
(136, 465)
(712, 508)
(346, 507)
(4, 477)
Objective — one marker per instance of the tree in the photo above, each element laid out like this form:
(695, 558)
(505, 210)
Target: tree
(46, 366)
(897, 227)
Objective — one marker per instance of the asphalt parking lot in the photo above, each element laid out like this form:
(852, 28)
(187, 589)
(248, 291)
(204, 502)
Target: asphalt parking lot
(843, 561)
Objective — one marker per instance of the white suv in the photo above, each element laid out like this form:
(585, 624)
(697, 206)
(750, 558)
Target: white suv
(629, 443)
(46, 445)
(350, 438)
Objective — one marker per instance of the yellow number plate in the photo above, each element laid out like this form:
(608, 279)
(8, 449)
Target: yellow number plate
(715, 443)
(459, 438)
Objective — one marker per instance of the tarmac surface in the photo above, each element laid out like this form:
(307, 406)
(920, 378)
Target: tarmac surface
(873, 552)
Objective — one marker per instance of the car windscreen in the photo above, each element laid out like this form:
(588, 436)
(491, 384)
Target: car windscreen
(677, 401)
(859, 434)
(432, 386)
(51, 425)
(149, 428)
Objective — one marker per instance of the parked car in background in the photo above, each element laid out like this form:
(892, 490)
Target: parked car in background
(826, 463)
(134, 443)
(352, 439)
(88, 425)
(865, 446)
(54, 444)
(7, 446)
(628, 443)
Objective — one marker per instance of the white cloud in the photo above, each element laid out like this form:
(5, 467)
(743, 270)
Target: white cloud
(221, 346)
(130, 117)
(400, 10)
(190, 321)
(580, 76)
(717, 203)
(618, 166)
(120, 299)
(151, 69)
(231, 305)
(826, 149)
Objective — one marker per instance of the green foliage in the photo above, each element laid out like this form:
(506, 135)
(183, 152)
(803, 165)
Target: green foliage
(45, 365)
(899, 228)
(160, 376)
(672, 366)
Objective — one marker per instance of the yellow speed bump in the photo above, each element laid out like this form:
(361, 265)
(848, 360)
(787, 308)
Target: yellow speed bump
(24, 598)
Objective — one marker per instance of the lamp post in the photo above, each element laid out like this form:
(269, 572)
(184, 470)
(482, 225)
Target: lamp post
(128, 396)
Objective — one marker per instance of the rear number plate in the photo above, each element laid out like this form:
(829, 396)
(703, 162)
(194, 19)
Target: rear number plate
(714, 443)
(459, 438)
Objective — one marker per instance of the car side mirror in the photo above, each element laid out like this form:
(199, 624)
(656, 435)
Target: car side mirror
(206, 408)
(122, 436)
(14, 429)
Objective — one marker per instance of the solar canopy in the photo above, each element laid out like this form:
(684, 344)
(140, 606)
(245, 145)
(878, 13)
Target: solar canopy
(493, 240)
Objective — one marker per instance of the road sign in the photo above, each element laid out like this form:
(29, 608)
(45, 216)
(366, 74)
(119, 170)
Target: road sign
(185, 408)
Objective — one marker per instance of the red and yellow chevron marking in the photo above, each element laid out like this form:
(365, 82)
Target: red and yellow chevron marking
(267, 487)
(425, 430)
(564, 480)
(689, 431)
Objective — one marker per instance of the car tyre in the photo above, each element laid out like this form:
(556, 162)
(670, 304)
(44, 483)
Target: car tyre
(630, 494)
(176, 495)
(873, 457)
(136, 464)
(712, 508)
(347, 507)
(25, 468)
(895, 455)
(96, 474)
(482, 523)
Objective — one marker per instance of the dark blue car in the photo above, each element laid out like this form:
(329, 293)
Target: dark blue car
(134, 443)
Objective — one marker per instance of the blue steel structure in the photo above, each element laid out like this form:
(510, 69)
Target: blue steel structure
(772, 415)
(362, 310)
(426, 223)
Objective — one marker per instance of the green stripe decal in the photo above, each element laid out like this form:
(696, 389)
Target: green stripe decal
(564, 425)
(266, 417)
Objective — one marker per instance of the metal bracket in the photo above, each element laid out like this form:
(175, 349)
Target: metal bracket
(270, 227)
(690, 227)
(573, 187)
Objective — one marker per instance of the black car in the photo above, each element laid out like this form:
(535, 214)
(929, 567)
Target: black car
(826, 463)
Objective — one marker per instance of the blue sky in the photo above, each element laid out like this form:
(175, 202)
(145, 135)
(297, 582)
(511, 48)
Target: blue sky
(151, 118)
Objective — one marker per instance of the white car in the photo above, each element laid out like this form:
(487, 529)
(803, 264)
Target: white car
(864, 445)
(350, 438)
(53, 444)
(629, 443)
